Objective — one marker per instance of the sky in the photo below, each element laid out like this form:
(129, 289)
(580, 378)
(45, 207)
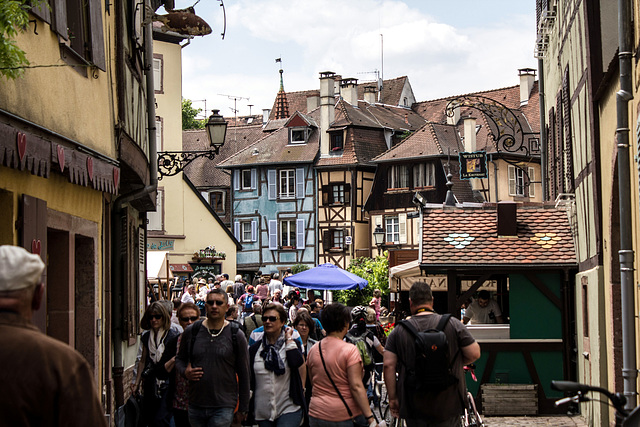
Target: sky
(445, 48)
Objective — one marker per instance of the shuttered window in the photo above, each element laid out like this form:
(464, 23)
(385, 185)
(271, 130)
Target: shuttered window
(273, 234)
(300, 183)
(272, 186)
(300, 230)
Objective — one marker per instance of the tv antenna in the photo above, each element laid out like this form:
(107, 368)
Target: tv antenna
(235, 110)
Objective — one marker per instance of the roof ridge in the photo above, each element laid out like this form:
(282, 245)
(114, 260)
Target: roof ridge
(435, 137)
(469, 93)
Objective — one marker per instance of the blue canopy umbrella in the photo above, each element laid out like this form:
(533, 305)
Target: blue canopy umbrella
(326, 277)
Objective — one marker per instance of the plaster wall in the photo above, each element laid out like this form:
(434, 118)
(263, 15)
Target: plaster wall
(61, 99)
(503, 182)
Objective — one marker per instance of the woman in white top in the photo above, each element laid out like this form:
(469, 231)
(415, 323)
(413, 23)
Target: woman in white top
(277, 373)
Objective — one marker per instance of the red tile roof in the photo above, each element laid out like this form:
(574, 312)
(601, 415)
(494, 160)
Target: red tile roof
(202, 172)
(466, 237)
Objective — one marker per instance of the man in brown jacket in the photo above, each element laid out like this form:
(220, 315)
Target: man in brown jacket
(43, 382)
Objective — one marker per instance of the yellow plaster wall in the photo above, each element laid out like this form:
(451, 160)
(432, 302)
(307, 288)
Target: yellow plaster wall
(59, 98)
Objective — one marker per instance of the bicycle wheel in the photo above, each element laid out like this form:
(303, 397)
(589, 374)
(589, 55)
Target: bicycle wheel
(390, 419)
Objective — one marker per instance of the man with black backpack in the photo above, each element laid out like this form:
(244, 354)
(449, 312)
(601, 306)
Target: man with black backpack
(428, 352)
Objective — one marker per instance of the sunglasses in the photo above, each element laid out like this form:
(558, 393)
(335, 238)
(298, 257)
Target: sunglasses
(192, 318)
(215, 301)
(156, 316)
(270, 318)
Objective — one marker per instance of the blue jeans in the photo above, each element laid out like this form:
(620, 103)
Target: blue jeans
(210, 417)
(290, 419)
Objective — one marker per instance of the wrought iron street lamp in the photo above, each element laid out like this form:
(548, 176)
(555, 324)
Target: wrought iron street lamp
(378, 238)
(171, 163)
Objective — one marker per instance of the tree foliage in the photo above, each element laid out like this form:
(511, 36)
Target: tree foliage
(299, 268)
(14, 19)
(376, 271)
(189, 114)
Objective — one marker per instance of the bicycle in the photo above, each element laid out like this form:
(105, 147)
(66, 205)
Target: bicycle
(471, 417)
(623, 418)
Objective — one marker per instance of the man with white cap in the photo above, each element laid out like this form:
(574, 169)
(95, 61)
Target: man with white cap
(43, 381)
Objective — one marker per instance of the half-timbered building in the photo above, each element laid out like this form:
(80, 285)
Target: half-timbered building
(273, 197)
(353, 133)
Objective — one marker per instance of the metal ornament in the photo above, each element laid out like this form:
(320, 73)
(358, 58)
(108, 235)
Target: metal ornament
(171, 163)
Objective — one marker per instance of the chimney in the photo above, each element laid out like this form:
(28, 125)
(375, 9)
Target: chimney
(527, 79)
(370, 94)
(507, 218)
(456, 116)
(327, 112)
(265, 115)
(469, 134)
(349, 90)
(313, 102)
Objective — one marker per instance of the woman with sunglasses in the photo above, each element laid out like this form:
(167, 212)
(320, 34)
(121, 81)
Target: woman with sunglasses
(277, 373)
(158, 342)
(187, 314)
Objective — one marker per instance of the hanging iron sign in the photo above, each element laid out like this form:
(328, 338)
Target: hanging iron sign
(473, 165)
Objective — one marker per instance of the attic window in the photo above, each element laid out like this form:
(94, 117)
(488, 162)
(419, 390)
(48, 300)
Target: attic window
(337, 142)
(298, 135)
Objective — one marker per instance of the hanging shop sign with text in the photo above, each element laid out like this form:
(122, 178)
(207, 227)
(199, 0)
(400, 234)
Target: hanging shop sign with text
(473, 165)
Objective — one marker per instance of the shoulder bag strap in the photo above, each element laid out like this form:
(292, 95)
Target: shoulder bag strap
(332, 383)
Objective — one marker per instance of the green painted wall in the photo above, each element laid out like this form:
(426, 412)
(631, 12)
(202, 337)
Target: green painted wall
(532, 314)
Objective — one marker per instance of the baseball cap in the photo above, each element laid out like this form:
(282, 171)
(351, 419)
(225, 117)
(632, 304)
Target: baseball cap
(19, 269)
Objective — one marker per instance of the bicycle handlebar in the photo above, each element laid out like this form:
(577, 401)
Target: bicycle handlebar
(618, 400)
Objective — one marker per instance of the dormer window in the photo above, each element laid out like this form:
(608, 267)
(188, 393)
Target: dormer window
(337, 142)
(298, 135)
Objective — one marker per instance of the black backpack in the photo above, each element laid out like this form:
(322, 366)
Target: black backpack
(432, 370)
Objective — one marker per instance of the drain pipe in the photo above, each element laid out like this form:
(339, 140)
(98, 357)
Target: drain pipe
(117, 226)
(543, 131)
(626, 255)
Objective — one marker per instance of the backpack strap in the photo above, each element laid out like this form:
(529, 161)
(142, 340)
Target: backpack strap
(443, 322)
(194, 332)
(409, 326)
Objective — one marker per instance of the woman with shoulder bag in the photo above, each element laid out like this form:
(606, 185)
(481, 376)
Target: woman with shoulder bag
(335, 370)
(158, 342)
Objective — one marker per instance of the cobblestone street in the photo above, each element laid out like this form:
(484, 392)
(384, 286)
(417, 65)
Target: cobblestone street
(556, 421)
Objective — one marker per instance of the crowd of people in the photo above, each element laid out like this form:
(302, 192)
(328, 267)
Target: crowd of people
(261, 353)
(229, 353)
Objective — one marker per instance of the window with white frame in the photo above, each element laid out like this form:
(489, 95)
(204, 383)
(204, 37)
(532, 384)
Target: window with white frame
(298, 135)
(288, 233)
(246, 179)
(287, 184)
(337, 192)
(398, 176)
(246, 231)
(159, 145)
(155, 219)
(392, 229)
(516, 181)
(157, 73)
(424, 175)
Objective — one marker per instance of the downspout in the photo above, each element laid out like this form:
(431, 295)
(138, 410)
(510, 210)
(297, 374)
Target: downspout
(626, 255)
(543, 130)
(118, 282)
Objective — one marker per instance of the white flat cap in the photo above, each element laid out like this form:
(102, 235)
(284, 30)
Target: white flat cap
(19, 269)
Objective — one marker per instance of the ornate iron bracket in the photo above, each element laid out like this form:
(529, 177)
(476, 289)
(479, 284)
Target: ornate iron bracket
(505, 127)
(171, 163)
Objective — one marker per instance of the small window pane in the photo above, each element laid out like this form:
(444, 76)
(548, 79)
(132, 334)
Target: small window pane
(246, 179)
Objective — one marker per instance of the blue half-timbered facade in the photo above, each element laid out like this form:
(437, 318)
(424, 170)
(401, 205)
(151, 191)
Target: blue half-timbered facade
(273, 198)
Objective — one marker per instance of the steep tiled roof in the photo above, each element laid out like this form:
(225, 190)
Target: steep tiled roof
(428, 141)
(391, 90)
(202, 172)
(297, 101)
(366, 123)
(253, 119)
(468, 237)
(274, 148)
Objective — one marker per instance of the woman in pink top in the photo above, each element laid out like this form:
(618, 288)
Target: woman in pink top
(262, 290)
(344, 368)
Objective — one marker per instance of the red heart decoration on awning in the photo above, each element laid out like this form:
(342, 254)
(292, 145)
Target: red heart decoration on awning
(22, 144)
(60, 150)
(36, 247)
(116, 176)
(90, 168)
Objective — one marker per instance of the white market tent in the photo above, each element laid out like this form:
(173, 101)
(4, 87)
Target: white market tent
(157, 267)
